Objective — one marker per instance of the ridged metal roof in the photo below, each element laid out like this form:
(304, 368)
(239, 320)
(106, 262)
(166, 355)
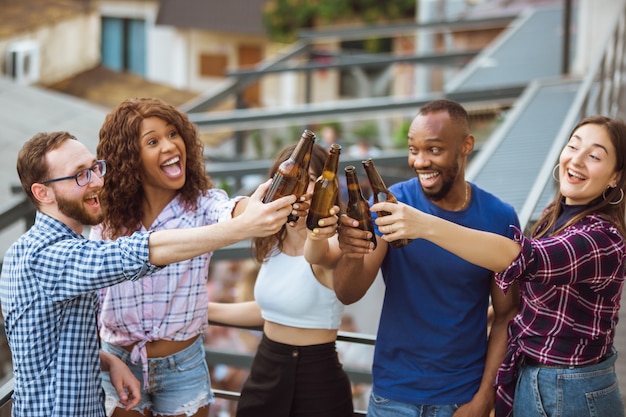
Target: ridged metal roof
(512, 162)
(27, 110)
(530, 48)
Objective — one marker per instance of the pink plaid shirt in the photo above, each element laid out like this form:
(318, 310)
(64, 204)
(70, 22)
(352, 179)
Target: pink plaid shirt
(171, 304)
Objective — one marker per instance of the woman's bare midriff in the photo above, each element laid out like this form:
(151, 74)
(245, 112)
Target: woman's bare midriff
(163, 348)
(298, 336)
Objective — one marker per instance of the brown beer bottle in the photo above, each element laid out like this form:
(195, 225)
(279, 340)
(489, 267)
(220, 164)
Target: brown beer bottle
(357, 206)
(380, 194)
(303, 179)
(292, 175)
(326, 189)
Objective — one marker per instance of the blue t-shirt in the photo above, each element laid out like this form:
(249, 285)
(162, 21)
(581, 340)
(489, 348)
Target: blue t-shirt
(432, 337)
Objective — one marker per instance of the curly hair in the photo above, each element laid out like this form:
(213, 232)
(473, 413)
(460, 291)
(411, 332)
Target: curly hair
(265, 247)
(123, 190)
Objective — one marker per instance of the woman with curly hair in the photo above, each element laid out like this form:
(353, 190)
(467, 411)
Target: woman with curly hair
(158, 181)
(296, 370)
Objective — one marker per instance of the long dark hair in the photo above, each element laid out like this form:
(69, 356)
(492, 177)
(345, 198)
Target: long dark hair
(264, 247)
(601, 205)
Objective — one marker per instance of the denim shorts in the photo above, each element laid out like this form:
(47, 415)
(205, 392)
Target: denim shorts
(383, 407)
(178, 384)
(588, 391)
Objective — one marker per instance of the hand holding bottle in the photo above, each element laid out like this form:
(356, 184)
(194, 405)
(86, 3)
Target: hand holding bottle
(353, 242)
(327, 226)
(292, 176)
(358, 207)
(321, 246)
(381, 193)
(401, 221)
(264, 219)
(326, 189)
(300, 209)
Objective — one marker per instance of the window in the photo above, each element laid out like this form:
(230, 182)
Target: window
(213, 65)
(124, 44)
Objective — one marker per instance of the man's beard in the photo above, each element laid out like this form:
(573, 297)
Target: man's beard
(448, 180)
(74, 209)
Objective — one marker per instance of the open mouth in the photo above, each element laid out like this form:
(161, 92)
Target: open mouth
(172, 167)
(92, 200)
(428, 179)
(576, 175)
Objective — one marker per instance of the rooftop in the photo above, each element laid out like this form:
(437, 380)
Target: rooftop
(235, 16)
(21, 16)
(107, 88)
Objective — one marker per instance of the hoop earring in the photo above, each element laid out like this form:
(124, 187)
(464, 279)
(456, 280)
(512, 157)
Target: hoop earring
(554, 173)
(621, 197)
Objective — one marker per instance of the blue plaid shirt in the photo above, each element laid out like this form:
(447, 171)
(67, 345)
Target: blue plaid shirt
(49, 299)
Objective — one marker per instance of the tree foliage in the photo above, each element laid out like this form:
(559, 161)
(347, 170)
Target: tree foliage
(283, 18)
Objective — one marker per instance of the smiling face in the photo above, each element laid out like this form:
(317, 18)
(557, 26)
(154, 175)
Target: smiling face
(79, 205)
(437, 151)
(163, 156)
(587, 165)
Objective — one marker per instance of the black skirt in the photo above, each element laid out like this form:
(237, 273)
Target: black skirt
(296, 381)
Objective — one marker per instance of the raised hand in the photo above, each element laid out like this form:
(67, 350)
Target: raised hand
(326, 227)
(353, 241)
(265, 219)
(301, 208)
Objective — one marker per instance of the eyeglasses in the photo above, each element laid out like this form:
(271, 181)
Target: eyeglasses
(83, 176)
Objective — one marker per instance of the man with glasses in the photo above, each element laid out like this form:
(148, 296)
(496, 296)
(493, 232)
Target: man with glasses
(83, 176)
(51, 274)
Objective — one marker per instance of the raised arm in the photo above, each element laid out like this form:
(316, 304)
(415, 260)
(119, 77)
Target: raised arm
(357, 269)
(485, 249)
(246, 314)
(321, 246)
(258, 219)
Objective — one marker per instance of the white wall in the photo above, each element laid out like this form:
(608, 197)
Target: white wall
(366, 311)
(65, 49)
(167, 56)
(595, 17)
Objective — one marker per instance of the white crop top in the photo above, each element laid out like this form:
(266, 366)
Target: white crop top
(289, 294)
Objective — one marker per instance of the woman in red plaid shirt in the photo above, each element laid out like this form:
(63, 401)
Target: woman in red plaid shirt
(560, 358)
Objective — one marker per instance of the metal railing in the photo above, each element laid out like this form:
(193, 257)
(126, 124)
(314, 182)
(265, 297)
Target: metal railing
(305, 47)
(244, 361)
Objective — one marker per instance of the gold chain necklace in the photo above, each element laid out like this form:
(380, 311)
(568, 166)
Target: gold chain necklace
(467, 187)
